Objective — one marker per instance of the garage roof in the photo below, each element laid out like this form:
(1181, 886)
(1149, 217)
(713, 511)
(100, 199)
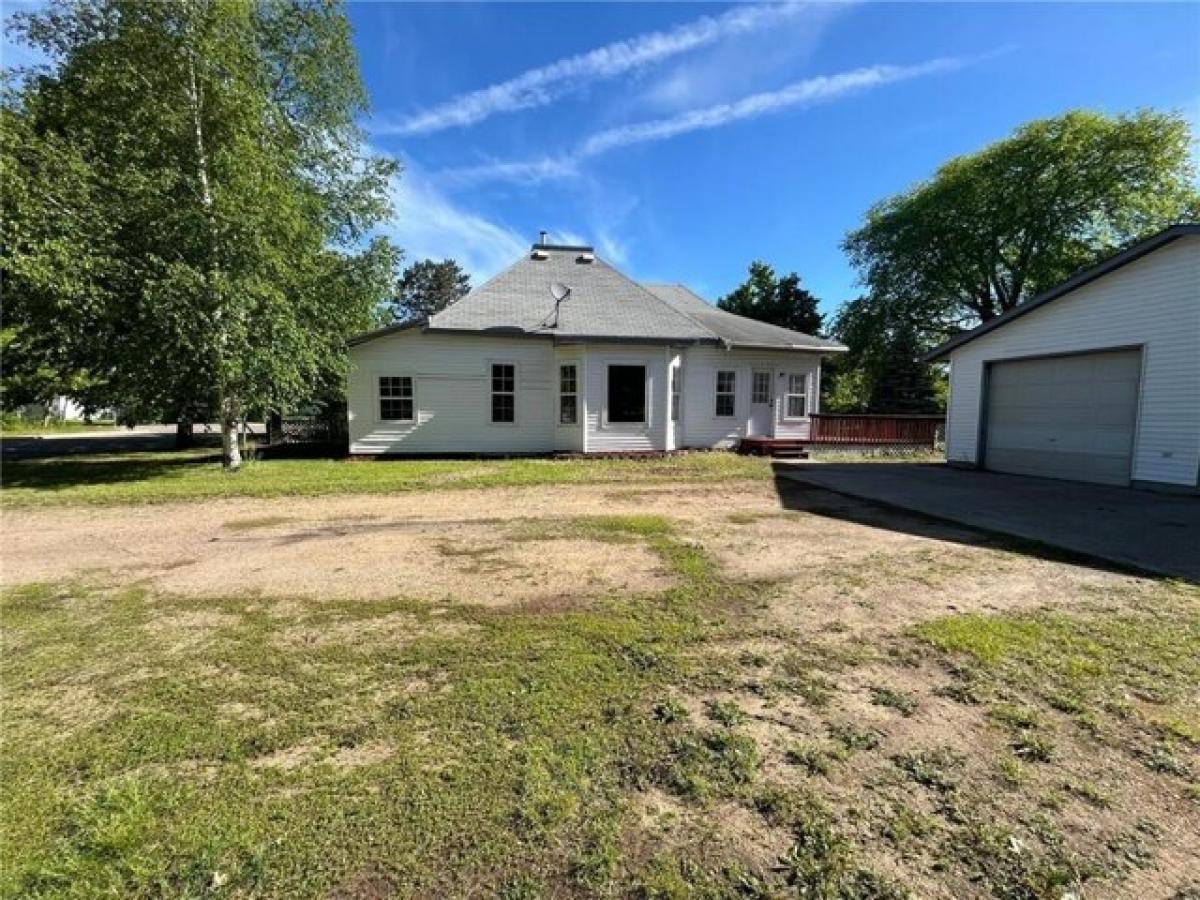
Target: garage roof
(1126, 256)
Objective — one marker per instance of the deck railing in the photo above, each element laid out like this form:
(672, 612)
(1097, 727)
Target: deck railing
(837, 428)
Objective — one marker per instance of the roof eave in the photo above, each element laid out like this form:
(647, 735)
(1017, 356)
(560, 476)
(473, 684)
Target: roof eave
(366, 336)
(1087, 276)
(811, 348)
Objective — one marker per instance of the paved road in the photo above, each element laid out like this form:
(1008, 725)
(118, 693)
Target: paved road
(1153, 532)
(114, 440)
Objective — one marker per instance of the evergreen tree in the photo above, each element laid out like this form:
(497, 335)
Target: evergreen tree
(427, 287)
(779, 301)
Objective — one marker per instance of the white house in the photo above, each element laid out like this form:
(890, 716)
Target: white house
(563, 353)
(1095, 380)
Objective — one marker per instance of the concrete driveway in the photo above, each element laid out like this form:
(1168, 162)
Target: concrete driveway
(1158, 533)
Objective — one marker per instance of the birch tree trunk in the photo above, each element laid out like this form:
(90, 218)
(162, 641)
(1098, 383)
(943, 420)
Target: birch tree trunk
(231, 457)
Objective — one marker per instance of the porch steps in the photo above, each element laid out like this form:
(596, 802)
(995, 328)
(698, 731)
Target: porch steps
(789, 448)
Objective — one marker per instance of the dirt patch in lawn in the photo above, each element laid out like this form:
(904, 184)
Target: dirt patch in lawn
(390, 630)
(455, 547)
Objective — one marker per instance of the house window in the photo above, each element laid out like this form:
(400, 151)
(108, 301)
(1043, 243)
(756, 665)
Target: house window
(797, 397)
(626, 394)
(726, 384)
(396, 398)
(675, 392)
(760, 389)
(568, 396)
(504, 392)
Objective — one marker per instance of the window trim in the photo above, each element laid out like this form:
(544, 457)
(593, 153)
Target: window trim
(647, 412)
(491, 392)
(789, 394)
(754, 377)
(379, 399)
(675, 393)
(561, 394)
(731, 394)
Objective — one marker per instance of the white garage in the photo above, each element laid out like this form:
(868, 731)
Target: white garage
(1096, 380)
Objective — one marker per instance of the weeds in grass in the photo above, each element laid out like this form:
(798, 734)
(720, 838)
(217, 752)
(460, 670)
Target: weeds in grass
(903, 703)
(1162, 757)
(852, 738)
(938, 768)
(814, 760)
(1029, 745)
(724, 712)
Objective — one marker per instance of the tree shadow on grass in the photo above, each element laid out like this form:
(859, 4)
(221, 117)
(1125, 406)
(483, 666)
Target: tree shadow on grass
(64, 472)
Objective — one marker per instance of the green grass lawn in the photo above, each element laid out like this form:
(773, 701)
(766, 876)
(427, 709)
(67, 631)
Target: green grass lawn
(685, 742)
(197, 475)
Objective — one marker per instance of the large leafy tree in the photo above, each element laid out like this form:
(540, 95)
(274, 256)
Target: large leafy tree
(427, 287)
(993, 228)
(769, 298)
(216, 175)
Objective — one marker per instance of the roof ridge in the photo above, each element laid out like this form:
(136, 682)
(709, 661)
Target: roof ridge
(659, 300)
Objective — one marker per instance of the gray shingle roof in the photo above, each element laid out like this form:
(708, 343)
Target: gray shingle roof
(733, 329)
(604, 304)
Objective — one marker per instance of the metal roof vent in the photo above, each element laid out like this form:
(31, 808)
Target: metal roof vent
(585, 258)
(538, 253)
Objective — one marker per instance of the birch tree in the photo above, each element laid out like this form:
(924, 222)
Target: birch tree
(225, 161)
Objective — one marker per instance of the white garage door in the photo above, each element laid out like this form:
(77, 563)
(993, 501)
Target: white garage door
(1064, 417)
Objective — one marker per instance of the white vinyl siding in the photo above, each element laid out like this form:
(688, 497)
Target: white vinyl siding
(452, 386)
(703, 428)
(603, 436)
(1152, 304)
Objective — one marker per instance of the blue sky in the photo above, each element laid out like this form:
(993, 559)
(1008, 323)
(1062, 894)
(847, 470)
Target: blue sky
(686, 139)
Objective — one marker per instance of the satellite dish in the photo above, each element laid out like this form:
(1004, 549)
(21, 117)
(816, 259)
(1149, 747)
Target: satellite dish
(559, 291)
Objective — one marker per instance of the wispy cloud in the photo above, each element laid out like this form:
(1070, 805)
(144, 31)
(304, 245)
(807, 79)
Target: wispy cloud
(802, 93)
(810, 91)
(544, 85)
(429, 225)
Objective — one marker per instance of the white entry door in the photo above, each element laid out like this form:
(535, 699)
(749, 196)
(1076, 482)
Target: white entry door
(762, 403)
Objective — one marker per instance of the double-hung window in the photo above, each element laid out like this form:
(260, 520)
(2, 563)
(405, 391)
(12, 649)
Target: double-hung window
(504, 393)
(797, 397)
(396, 401)
(760, 388)
(568, 395)
(726, 386)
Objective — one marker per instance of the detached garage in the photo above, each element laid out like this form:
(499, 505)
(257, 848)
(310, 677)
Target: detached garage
(1095, 380)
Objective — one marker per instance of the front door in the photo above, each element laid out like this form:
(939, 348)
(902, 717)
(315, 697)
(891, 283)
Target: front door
(762, 397)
